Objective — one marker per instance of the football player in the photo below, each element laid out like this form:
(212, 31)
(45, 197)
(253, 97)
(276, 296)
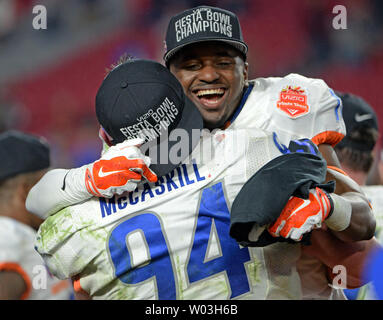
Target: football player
(23, 275)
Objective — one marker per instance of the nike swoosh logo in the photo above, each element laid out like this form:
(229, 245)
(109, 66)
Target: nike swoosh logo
(362, 117)
(305, 203)
(102, 174)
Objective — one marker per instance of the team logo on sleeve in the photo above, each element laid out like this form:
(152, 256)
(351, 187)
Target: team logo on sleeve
(293, 101)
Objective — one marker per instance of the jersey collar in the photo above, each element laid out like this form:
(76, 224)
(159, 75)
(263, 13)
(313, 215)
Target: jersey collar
(240, 106)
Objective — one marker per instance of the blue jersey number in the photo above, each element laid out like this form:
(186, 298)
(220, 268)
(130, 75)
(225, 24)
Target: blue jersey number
(213, 213)
(213, 207)
(160, 265)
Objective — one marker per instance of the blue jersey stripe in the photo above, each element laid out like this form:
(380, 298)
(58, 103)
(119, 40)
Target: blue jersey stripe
(242, 103)
(338, 105)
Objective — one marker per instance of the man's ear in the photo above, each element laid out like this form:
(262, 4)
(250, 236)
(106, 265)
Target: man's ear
(103, 135)
(246, 71)
(246, 74)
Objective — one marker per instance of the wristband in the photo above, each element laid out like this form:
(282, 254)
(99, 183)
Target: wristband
(340, 217)
(76, 191)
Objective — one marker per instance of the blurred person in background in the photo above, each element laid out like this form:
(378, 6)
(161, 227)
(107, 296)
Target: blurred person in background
(23, 275)
(356, 155)
(356, 150)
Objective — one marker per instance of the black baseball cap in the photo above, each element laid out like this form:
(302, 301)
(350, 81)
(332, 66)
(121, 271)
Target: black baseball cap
(357, 114)
(203, 23)
(22, 153)
(141, 98)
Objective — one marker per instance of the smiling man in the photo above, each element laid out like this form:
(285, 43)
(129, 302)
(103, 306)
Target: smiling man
(213, 76)
(211, 65)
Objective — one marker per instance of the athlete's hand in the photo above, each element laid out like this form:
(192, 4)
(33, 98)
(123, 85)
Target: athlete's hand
(119, 170)
(300, 216)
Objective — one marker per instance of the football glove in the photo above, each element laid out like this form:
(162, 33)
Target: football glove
(301, 216)
(119, 170)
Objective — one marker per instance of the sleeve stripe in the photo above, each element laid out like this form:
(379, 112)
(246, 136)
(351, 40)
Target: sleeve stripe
(328, 137)
(77, 286)
(338, 105)
(11, 266)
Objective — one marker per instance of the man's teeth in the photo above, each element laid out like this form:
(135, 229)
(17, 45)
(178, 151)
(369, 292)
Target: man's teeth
(205, 92)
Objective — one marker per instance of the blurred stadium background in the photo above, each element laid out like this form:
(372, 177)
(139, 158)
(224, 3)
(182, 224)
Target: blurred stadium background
(49, 78)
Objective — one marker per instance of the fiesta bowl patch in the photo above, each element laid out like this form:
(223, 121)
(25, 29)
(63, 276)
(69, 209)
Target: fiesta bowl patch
(293, 101)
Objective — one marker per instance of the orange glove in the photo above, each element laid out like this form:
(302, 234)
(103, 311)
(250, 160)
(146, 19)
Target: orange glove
(119, 170)
(300, 216)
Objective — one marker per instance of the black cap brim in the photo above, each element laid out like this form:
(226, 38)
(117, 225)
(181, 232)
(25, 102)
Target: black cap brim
(163, 162)
(236, 44)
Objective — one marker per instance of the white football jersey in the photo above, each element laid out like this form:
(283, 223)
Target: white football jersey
(296, 107)
(170, 240)
(17, 254)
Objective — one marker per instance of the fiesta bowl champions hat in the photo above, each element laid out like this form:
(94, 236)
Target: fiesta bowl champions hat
(203, 23)
(22, 153)
(357, 114)
(142, 99)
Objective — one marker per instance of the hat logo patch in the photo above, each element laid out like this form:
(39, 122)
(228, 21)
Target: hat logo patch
(203, 20)
(145, 116)
(362, 117)
(293, 101)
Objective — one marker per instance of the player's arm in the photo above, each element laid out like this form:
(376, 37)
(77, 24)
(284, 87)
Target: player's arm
(12, 285)
(119, 170)
(352, 218)
(346, 211)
